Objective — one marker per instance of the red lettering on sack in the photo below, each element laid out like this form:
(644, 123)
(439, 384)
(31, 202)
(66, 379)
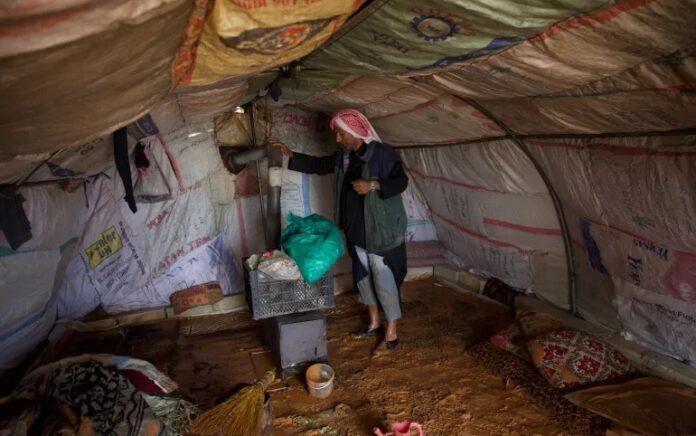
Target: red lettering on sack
(180, 252)
(250, 4)
(155, 222)
(297, 120)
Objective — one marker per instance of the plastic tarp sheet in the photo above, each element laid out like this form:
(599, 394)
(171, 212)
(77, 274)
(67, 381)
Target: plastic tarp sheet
(420, 226)
(304, 194)
(126, 72)
(595, 290)
(88, 159)
(201, 104)
(628, 112)
(211, 262)
(241, 225)
(246, 36)
(91, 158)
(619, 191)
(659, 322)
(408, 113)
(27, 282)
(492, 210)
(234, 130)
(14, 167)
(127, 261)
(626, 47)
(369, 94)
(308, 84)
(28, 309)
(627, 183)
(53, 215)
(402, 36)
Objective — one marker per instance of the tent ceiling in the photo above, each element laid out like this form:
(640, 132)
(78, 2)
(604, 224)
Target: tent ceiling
(75, 70)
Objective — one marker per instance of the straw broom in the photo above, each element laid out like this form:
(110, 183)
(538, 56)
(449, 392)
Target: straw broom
(238, 415)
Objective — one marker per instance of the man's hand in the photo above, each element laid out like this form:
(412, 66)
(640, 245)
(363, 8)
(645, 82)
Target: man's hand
(362, 186)
(283, 147)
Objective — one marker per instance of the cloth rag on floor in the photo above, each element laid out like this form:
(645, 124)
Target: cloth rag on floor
(401, 429)
(106, 396)
(120, 395)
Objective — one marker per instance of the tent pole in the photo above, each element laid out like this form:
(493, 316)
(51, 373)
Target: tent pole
(570, 262)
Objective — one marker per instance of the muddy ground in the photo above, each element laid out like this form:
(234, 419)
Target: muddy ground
(428, 379)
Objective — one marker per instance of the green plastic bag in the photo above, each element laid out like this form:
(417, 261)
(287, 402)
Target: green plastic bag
(314, 243)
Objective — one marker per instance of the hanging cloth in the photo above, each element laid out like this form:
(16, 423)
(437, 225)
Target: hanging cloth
(151, 184)
(13, 220)
(123, 166)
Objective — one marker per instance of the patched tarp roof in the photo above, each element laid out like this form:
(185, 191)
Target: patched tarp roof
(76, 70)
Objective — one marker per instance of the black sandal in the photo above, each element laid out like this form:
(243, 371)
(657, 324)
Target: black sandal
(391, 344)
(367, 332)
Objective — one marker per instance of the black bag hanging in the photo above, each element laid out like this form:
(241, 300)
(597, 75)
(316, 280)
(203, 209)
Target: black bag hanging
(13, 220)
(151, 184)
(123, 166)
(140, 157)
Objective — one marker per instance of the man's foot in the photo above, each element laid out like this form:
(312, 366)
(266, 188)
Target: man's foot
(391, 344)
(367, 332)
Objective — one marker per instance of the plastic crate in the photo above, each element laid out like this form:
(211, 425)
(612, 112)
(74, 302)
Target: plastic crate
(268, 297)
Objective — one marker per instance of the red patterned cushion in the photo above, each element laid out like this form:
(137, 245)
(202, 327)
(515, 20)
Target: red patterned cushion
(570, 358)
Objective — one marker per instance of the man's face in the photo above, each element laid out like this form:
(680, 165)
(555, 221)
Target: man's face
(346, 140)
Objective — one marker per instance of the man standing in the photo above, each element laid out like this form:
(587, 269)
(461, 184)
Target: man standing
(369, 182)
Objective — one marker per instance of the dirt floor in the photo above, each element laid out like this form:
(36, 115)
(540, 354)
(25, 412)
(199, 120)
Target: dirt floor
(428, 379)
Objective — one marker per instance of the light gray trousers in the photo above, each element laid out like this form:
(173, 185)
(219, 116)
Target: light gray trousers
(379, 285)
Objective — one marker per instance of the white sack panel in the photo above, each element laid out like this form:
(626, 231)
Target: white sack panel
(53, 214)
(304, 132)
(17, 343)
(644, 263)
(657, 321)
(595, 290)
(212, 262)
(420, 225)
(628, 183)
(128, 261)
(26, 284)
(28, 309)
(631, 203)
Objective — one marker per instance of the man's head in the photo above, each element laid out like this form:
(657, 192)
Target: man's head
(353, 129)
(346, 140)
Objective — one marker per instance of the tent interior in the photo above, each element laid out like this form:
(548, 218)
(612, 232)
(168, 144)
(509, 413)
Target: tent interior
(549, 146)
